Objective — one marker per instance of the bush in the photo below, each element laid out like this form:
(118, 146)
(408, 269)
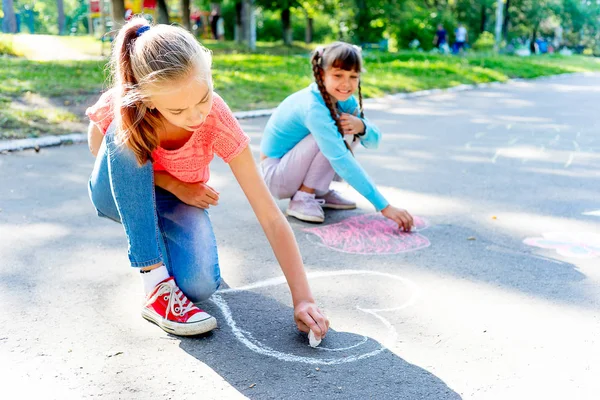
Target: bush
(6, 45)
(485, 42)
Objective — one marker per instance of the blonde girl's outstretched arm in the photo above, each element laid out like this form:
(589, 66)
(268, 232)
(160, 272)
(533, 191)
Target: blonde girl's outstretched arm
(282, 240)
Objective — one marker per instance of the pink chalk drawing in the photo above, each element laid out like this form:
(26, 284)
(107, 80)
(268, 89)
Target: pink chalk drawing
(370, 234)
(569, 244)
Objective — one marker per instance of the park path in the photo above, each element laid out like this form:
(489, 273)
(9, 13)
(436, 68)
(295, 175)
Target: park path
(496, 297)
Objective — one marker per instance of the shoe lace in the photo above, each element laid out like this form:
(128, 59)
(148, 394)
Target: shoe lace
(316, 203)
(177, 302)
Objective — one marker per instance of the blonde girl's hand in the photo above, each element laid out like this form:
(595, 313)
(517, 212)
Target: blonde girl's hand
(197, 194)
(308, 317)
(351, 124)
(401, 217)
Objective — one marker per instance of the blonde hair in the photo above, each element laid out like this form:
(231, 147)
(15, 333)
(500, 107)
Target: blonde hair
(146, 58)
(337, 55)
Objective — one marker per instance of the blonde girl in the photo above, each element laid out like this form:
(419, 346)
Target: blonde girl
(154, 134)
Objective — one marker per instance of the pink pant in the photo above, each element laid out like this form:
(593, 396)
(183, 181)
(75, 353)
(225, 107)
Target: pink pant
(304, 165)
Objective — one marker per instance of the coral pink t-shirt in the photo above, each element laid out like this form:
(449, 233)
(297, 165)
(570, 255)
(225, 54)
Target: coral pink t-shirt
(220, 134)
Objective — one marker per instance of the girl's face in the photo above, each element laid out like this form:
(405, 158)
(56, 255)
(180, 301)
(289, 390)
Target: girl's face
(185, 104)
(339, 83)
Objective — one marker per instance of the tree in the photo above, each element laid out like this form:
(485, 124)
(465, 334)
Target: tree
(249, 23)
(185, 14)
(531, 13)
(506, 22)
(9, 23)
(163, 12)
(286, 24)
(239, 24)
(284, 6)
(60, 6)
(311, 9)
(308, 34)
(118, 12)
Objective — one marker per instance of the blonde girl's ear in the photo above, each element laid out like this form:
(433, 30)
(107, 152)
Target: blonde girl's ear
(149, 105)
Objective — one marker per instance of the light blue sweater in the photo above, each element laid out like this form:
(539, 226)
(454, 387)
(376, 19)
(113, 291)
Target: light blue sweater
(305, 112)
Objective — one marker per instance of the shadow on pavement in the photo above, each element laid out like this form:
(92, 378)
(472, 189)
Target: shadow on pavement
(263, 355)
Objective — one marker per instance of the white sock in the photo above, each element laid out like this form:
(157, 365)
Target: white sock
(153, 277)
(300, 195)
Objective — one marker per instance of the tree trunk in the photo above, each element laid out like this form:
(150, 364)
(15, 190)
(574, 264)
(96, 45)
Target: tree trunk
(249, 24)
(483, 18)
(118, 13)
(533, 37)
(286, 24)
(506, 21)
(163, 12)
(60, 6)
(239, 26)
(362, 21)
(308, 34)
(498, 29)
(185, 14)
(9, 23)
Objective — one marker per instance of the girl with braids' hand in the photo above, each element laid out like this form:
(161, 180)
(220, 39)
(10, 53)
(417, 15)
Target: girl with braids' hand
(311, 137)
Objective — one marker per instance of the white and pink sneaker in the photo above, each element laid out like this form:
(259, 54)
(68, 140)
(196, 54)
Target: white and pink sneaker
(170, 309)
(306, 208)
(334, 200)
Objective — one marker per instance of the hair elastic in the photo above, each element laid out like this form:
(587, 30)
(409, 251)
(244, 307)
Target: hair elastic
(142, 29)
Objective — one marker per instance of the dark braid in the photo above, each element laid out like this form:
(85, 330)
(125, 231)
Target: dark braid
(318, 72)
(362, 114)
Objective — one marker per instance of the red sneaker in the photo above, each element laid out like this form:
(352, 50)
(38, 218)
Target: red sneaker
(170, 309)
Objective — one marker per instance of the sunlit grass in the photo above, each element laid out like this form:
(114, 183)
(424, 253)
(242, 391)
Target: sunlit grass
(86, 44)
(21, 123)
(7, 46)
(263, 79)
(50, 78)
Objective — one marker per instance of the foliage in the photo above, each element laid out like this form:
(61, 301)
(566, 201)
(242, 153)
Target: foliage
(485, 42)
(369, 21)
(6, 46)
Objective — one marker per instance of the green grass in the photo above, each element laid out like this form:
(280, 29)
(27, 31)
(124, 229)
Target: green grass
(6, 46)
(50, 78)
(264, 78)
(20, 123)
(249, 81)
(86, 44)
(270, 48)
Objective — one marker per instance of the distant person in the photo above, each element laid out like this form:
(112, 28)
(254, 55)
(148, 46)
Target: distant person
(461, 38)
(220, 29)
(214, 23)
(311, 136)
(198, 23)
(154, 135)
(440, 38)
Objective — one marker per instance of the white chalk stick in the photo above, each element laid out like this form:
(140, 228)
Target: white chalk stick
(312, 340)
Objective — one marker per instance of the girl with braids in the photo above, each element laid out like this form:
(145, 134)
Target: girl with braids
(310, 137)
(153, 135)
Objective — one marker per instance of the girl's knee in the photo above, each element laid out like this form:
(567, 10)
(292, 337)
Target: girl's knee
(311, 144)
(201, 290)
(103, 202)
(201, 278)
